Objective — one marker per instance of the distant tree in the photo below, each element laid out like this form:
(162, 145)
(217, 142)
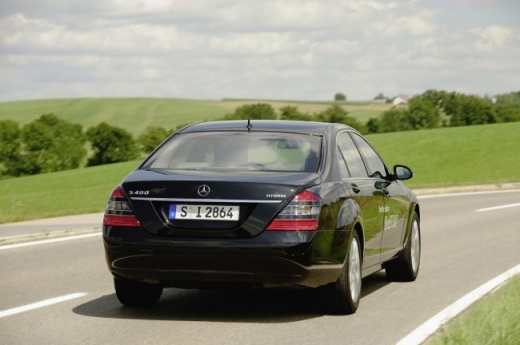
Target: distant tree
(70, 142)
(10, 142)
(435, 97)
(336, 114)
(507, 107)
(512, 97)
(507, 112)
(111, 145)
(380, 96)
(9, 139)
(292, 113)
(36, 140)
(258, 111)
(467, 110)
(51, 144)
(340, 97)
(152, 137)
(333, 114)
(394, 120)
(372, 125)
(422, 114)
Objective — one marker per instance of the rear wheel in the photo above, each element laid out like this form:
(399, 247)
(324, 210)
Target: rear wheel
(343, 296)
(406, 266)
(137, 294)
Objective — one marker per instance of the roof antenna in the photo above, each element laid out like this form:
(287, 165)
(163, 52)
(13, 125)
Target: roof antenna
(249, 126)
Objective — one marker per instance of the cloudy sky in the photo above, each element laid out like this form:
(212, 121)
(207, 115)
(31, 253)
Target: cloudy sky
(268, 49)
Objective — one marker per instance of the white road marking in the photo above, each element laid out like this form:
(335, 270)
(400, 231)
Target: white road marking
(53, 240)
(497, 208)
(41, 304)
(420, 334)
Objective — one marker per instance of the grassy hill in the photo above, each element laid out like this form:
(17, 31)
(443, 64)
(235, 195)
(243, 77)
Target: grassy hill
(441, 157)
(135, 114)
(455, 156)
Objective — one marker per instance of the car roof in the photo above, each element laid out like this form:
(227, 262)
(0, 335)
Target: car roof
(306, 127)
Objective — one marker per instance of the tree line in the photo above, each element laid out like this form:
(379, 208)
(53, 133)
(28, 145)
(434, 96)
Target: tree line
(431, 109)
(51, 144)
(434, 109)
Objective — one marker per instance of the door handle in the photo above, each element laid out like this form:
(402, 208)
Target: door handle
(355, 189)
(381, 185)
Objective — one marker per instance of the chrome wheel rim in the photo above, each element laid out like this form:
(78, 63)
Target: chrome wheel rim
(354, 271)
(415, 246)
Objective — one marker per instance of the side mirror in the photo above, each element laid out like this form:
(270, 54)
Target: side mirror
(402, 172)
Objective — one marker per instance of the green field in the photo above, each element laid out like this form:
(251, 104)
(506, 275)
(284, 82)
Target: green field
(135, 114)
(79, 191)
(442, 157)
(455, 156)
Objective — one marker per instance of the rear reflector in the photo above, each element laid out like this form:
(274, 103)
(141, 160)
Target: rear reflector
(293, 225)
(118, 220)
(118, 213)
(301, 214)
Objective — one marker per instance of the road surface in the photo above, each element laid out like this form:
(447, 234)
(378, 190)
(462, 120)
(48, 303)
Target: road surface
(62, 293)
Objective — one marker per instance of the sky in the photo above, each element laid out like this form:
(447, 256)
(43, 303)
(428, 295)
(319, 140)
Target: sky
(261, 49)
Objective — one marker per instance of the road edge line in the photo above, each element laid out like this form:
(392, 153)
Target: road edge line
(41, 304)
(424, 331)
(54, 240)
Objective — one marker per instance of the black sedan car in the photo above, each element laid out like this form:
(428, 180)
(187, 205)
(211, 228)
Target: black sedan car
(261, 204)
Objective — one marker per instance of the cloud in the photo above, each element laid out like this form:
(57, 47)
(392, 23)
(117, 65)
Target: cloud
(495, 37)
(296, 49)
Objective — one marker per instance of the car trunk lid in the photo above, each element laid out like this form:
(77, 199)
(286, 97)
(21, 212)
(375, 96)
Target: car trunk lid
(225, 204)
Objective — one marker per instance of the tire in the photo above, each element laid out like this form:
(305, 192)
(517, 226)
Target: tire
(343, 296)
(137, 294)
(405, 268)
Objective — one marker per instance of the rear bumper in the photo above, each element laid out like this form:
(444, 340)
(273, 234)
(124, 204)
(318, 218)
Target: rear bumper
(273, 258)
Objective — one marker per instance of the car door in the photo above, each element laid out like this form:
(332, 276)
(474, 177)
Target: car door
(396, 211)
(395, 203)
(370, 200)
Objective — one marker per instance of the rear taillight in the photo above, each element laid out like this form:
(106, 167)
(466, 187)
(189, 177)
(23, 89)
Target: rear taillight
(301, 214)
(118, 213)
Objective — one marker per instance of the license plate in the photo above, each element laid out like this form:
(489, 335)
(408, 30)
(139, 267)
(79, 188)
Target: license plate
(204, 212)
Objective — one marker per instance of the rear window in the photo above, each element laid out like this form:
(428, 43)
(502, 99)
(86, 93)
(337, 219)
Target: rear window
(268, 151)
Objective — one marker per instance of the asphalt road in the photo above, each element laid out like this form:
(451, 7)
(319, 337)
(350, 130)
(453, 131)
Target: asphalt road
(462, 249)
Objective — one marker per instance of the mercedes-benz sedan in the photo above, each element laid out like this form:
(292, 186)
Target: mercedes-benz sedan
(262, 204)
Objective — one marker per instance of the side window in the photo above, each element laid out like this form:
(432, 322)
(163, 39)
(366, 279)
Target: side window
(351, 155)
(342, 165)
(376, 166)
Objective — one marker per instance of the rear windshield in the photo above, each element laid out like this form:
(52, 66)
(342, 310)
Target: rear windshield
(267, 151)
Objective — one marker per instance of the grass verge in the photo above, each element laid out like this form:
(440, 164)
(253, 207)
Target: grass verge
(495, 319)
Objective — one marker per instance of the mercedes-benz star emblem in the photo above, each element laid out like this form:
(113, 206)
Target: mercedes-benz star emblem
(203, 190)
